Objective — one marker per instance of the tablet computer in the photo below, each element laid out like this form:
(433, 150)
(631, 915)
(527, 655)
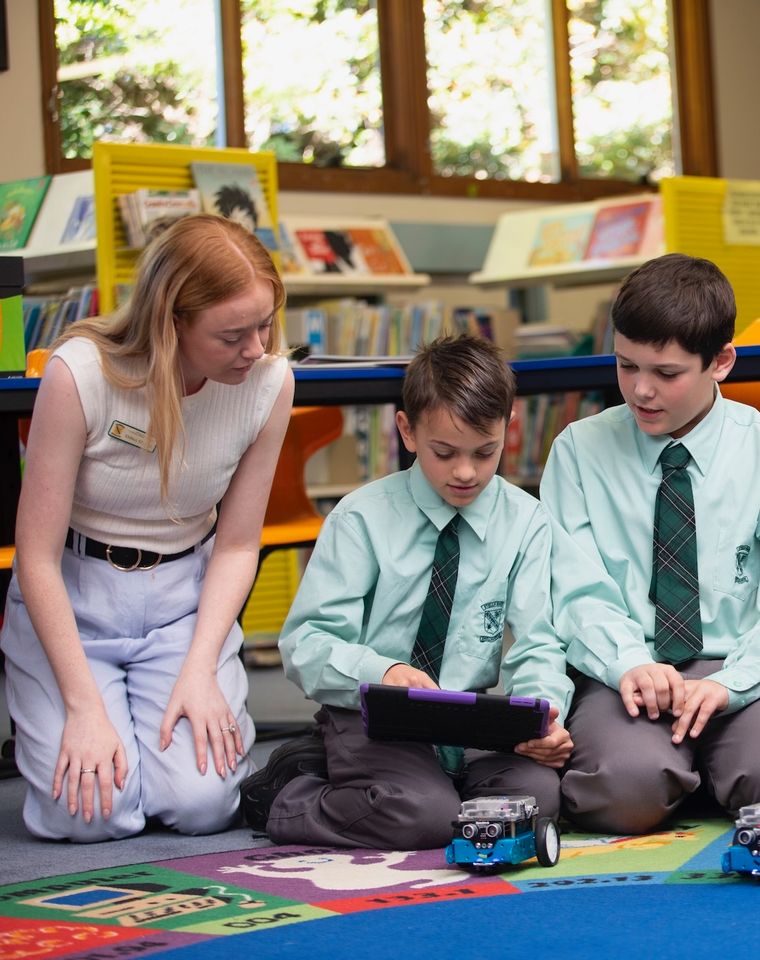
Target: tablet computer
(485, 720)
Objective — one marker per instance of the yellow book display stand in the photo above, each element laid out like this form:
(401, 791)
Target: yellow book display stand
(719, 220)
(125, 167)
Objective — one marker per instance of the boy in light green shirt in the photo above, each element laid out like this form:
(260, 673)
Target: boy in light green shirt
(661, 495)
(356, 616)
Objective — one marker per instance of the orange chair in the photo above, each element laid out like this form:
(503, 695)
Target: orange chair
(745, 392)
(291, 520)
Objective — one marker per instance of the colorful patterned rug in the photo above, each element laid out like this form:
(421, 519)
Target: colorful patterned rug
(657, 896)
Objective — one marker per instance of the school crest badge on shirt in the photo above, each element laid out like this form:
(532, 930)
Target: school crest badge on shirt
(493, 621)
(742, 552)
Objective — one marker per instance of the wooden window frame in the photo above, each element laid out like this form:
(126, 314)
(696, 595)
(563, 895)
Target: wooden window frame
(408, 168)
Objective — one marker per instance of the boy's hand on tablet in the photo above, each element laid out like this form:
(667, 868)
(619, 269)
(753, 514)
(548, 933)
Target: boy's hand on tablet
(656, 687)
(404, 675)
(554, 749)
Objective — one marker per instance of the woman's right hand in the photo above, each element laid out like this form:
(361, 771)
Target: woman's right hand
(91, 750)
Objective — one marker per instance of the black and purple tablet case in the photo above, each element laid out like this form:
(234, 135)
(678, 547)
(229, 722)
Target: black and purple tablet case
(484, 720)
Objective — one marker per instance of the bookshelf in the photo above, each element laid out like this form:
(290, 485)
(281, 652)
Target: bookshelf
(45, 256)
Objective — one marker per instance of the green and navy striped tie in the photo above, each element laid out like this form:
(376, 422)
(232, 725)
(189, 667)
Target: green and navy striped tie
(427, 653)
(675, 579)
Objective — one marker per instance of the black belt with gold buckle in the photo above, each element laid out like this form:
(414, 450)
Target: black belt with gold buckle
(127, 558)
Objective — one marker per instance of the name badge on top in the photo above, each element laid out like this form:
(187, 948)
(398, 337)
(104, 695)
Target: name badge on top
(131, 435)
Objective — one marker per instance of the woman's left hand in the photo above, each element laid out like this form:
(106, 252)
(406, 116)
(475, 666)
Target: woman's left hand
(200, 699)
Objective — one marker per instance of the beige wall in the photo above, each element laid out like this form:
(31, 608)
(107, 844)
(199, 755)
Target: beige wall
(736, 65)
(22, 151)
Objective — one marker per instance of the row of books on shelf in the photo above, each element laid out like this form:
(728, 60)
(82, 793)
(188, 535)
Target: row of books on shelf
(46, 316)
(346, 327)
(369, 446)
(367, 449)
(538, 419)
(351, 327)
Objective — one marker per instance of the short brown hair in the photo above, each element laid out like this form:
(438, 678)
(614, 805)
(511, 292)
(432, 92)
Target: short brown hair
(466, 375)
(677, 297)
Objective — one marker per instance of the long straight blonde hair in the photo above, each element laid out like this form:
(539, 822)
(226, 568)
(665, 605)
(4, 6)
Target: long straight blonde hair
(198, 262)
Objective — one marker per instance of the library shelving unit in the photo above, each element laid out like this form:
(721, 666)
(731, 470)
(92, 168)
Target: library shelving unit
(581, 244)
(707, 217)
(372, 278)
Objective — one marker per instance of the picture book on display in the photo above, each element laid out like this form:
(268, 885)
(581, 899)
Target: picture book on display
(377, 250)
(618, 231)
(80, 226)
(289, 259)
(233, 190)
(348, 249)
(20, 202)
(561, 239)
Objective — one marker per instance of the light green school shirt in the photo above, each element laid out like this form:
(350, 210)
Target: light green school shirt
(600, 483)
(360, 601)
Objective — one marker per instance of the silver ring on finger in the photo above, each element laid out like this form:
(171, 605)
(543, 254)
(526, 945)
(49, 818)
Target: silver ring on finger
(87, 770)
(231, 728)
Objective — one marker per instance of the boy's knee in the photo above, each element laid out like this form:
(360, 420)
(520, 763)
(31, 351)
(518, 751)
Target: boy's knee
(742, 791)
(632, 799)
(416, 821)
(525, 779)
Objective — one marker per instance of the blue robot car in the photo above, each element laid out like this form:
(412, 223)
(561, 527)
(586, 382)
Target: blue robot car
(491, 831)
(743, 856)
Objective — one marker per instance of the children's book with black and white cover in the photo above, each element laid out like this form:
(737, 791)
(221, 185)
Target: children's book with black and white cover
(233, 190)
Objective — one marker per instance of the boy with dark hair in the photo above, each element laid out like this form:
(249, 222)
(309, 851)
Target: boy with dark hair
(363, 614)
(661, 495)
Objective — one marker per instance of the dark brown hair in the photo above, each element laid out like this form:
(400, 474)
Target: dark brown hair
(677, 297)
(466, 375)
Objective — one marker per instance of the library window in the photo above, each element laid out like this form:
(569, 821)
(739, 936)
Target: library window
(554, 99)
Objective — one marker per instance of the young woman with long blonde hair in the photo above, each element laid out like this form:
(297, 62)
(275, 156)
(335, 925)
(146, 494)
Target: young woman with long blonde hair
(120, 635)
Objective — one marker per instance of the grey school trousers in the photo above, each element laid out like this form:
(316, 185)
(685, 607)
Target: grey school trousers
(394, 796)
(626, 776)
